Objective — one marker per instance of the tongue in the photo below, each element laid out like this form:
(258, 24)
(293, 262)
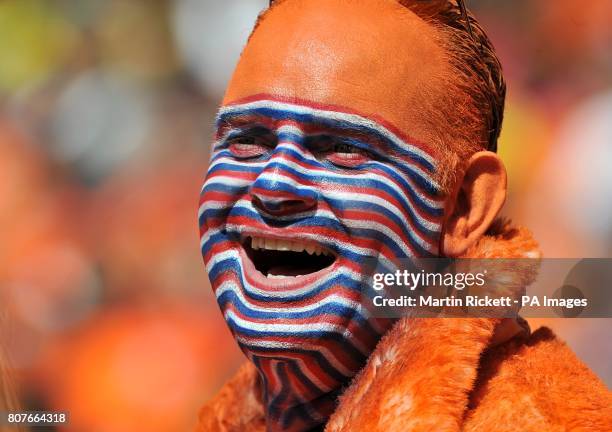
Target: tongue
(290, 270)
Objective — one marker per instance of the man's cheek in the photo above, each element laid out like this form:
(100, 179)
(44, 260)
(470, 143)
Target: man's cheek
(414, 206)
(217, 200)
(366, 217)
(226, 182)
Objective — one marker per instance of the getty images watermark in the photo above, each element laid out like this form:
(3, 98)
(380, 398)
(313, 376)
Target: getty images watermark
(501, 288)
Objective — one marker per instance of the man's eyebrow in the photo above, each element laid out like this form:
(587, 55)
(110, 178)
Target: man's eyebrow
(357, 137)
(364, 136)
(237, 120)
(236, 123)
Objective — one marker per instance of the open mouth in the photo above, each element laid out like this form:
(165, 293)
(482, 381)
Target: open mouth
(286, 258)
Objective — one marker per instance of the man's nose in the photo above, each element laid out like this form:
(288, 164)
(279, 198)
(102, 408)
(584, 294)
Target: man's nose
(280, 190)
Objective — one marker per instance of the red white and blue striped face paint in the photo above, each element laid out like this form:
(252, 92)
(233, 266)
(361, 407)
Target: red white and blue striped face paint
(297, 197)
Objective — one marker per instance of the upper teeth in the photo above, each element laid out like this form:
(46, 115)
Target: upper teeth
(287, 245)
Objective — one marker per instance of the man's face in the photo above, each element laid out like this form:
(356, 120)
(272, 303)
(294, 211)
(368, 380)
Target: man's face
(321, 162)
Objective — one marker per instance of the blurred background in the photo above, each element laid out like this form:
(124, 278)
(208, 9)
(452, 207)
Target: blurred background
(106, 115)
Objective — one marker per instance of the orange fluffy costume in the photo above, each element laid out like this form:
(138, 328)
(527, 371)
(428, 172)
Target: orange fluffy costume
(445, 374)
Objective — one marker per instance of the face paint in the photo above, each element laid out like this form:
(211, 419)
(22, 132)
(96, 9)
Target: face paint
(297, 197)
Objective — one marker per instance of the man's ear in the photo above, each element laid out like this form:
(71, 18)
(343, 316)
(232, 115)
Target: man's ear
(474, 204)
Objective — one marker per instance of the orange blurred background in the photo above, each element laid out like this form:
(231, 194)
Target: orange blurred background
(106, 114)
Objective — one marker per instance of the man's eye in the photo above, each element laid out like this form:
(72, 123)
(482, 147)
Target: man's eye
(348, 156)
(247, 147)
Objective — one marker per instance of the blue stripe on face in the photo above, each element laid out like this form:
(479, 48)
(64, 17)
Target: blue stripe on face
(348, 126)
(334, 308)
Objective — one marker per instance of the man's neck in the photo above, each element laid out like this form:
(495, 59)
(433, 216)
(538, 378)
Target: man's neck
(289, 406)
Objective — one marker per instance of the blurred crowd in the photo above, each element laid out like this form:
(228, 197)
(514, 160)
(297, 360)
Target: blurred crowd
(106, 115)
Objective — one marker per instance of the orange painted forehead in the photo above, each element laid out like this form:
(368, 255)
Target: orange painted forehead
(375, 57)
